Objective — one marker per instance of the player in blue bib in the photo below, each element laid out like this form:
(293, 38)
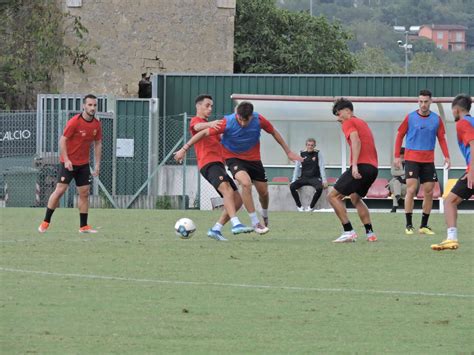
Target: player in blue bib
(464, 187)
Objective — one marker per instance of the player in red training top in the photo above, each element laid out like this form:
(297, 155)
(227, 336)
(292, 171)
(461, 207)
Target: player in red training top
(356, 181)
(421, 128)
(211, 166)
(241, 151)
(464, 187)
(81, 131)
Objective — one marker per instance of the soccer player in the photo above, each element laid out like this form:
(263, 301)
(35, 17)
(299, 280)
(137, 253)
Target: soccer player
(356, 181)
(81, 132)
(310, 172)
(464, 187)
(211, 165)
(421, 128)
(241, 150)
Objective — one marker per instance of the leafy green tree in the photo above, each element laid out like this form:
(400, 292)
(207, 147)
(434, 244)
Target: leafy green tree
(427, 63)
(33, 51)
(422, 44)
(461, 62)
(273, 40)
(374, 61)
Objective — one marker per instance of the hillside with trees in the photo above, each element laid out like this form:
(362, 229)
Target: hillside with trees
(374, 42)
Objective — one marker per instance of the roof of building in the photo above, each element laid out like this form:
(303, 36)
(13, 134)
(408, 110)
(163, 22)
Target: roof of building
(446, 27)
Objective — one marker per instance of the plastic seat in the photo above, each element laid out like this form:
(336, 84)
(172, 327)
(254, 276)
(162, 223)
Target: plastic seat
(436, 192)
(331, 180)
(379, 189)
(281, 179)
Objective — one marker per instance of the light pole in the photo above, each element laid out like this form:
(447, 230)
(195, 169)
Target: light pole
(311, 7)
(406, 46)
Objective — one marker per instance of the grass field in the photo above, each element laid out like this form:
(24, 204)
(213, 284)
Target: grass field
(137, 288)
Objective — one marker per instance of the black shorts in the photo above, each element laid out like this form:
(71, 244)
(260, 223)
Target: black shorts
(216, 174)
(80, 173)
(315, 182)
(460, 189)
(346, 184)
(255, 169)
(426, 172)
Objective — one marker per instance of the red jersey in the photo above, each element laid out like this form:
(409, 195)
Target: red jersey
(368, 154)
(80, 134)
(465, 134)
(420, 156)
(209, 149)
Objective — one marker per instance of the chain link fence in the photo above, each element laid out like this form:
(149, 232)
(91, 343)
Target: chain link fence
(137, 165)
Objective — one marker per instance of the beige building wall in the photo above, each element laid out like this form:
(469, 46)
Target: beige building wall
(195, 36)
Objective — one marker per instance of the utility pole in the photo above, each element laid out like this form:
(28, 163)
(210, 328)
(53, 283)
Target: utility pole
(406, 46)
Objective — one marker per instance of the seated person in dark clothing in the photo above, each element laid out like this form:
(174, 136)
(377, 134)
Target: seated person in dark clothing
(398, 184)
(310, 172)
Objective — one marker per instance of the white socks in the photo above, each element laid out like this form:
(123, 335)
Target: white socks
(452, 233)
(254, 218)
(217, 227)
(264, 213)
(235, 221)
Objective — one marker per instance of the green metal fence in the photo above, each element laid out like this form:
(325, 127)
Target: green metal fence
(177, 91)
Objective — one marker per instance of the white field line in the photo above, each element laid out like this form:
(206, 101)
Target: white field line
(251, 286)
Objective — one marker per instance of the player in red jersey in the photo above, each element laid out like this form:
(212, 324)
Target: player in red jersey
(356, 181)
(241, 151)
(421, 128)
(81, 131)
(211, 165)
(464, 187)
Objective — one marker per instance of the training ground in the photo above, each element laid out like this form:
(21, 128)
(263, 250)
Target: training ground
(137, 288)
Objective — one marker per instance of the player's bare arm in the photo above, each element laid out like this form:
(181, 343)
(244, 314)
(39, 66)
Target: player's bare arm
(63, 150)
(97, 157)
(179, 155)
(291, 155)
(355, 147)
(203, 125)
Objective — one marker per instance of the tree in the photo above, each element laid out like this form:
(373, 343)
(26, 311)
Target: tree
(427, 63)
(373, 61)
(33, 49)
(272, 40)
(422, 44)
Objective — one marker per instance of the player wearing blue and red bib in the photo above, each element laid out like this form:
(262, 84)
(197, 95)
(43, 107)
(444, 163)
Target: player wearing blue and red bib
(464, 187)
(421, 128)
(211, 166)
(241, 150)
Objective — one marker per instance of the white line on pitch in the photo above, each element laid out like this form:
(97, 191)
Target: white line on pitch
(219, 284)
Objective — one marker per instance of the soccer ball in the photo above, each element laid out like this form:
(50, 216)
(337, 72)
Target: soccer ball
(184, 228)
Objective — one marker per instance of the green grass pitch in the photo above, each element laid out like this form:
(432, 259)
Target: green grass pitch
(137, 288)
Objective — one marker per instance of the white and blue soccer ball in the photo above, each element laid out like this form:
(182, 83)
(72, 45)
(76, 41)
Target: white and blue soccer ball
(184, 228)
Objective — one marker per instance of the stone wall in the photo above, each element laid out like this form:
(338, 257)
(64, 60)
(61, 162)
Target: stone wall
(195, 36)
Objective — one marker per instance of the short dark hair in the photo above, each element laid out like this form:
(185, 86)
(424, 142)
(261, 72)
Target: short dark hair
(89, 96)
(425, 92)
(200, 98)
(245, 109)
(341, 104)
(463, 101)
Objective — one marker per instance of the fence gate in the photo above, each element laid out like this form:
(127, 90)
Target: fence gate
(129, 148)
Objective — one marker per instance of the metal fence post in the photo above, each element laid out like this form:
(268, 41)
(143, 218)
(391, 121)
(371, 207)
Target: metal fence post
(185, 124)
